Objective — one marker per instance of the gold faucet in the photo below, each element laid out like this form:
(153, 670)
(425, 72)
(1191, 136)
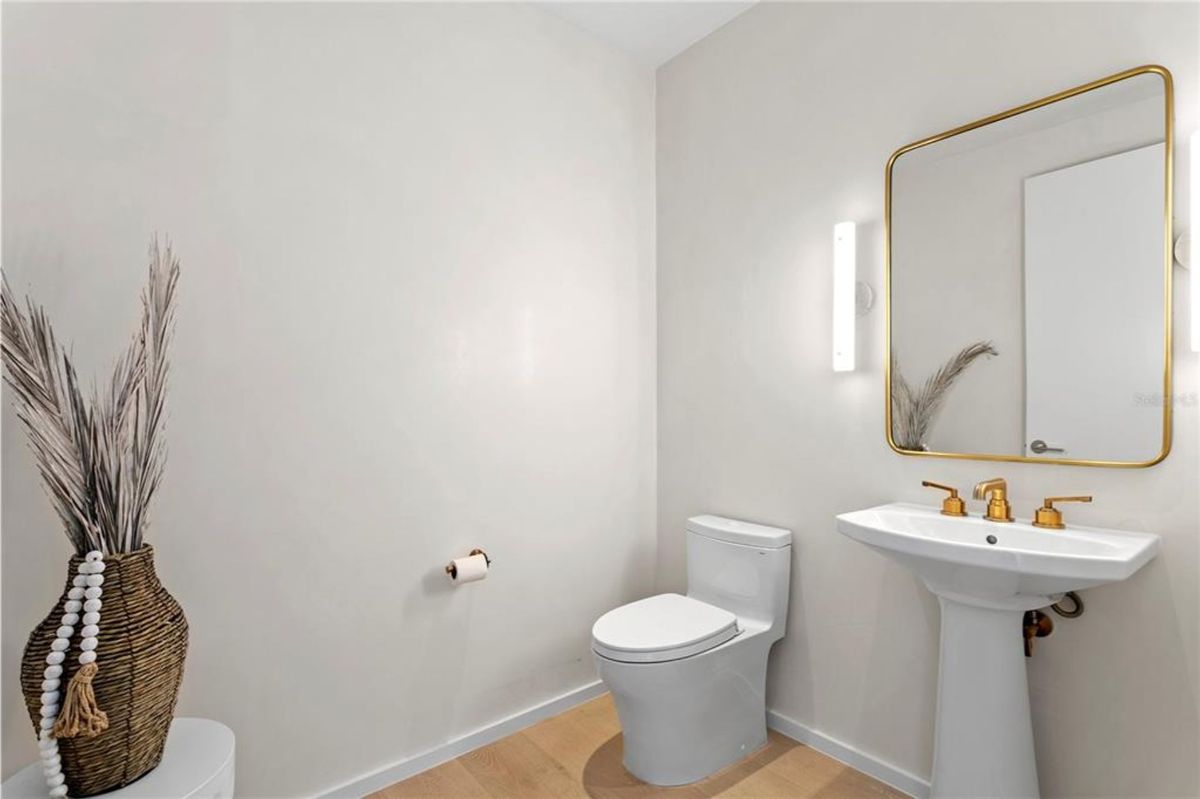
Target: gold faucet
(951, 505)
(995, 491)
(1050, 516)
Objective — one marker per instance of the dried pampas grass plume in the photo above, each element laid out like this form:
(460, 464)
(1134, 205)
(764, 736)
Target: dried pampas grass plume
(914, 411)
(101, 457)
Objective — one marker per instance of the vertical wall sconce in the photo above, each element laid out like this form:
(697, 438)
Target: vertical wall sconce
(844, 277)
(1193, 231)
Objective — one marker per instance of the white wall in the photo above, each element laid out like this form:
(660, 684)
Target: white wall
(417, 316)
(769, 132)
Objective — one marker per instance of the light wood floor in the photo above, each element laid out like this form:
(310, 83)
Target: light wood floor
(578, 754)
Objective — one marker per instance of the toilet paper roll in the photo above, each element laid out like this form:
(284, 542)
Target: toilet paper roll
(469, 569)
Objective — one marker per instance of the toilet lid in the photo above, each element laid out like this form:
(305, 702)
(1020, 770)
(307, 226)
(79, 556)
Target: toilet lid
(663, 627)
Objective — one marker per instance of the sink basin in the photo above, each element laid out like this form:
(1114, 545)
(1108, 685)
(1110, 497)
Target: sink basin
(1020, 566)
(986, 575)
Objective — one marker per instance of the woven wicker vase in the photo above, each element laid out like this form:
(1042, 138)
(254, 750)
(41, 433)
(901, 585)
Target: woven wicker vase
(143, 642)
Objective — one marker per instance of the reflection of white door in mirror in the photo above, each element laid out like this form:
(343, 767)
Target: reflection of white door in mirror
(1093, 297)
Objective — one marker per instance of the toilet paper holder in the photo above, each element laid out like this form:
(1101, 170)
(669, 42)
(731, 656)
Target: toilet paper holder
(452, 570)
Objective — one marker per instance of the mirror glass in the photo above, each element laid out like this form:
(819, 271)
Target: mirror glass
(1028, 259)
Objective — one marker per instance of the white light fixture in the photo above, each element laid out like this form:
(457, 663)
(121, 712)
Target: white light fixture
(1193, 231)
(844, 313)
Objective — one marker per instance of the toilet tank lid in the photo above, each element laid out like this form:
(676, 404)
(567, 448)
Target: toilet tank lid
(736, 532)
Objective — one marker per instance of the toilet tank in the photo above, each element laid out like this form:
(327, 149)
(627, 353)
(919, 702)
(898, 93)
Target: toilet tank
(742, 567)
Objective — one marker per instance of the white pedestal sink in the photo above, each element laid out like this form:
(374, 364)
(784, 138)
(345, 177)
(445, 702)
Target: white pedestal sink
(983, 743)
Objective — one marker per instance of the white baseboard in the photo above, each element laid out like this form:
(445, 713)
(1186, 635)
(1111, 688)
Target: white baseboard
(358, 787)
(881, 770)
(369, 783)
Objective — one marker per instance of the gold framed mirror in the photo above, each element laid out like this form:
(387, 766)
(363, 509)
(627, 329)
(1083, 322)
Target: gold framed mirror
(1027, 270)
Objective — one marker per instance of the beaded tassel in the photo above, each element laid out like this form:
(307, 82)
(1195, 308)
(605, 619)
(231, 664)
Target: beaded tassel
(80, 714)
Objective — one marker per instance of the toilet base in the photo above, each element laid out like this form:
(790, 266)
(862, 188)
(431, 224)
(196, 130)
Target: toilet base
(684, 720)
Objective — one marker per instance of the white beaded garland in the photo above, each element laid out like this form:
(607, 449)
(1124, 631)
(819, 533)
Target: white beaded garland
(85, 585)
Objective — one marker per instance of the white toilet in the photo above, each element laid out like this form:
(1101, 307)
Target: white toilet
(688, 673)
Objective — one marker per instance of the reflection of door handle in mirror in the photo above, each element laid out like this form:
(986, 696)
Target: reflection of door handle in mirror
(1039, 446)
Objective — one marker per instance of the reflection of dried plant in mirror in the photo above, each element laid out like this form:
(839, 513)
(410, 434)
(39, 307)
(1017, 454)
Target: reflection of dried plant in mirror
(913, 412)
(101, 458)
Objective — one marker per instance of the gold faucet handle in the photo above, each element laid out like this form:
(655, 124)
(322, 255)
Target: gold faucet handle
(951, 505)
(1051, 517)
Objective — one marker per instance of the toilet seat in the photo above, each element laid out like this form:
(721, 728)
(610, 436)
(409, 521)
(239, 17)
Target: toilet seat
(661, 628)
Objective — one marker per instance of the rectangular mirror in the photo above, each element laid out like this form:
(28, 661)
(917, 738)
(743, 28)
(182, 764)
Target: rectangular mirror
(1028, 272)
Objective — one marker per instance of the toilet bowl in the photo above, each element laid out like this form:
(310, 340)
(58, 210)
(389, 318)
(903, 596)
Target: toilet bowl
(688, 673)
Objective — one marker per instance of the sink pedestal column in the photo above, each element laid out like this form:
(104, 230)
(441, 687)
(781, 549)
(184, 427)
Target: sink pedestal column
(983, 745)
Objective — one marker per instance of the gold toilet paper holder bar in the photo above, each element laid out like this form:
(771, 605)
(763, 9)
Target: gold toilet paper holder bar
(452, 570)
